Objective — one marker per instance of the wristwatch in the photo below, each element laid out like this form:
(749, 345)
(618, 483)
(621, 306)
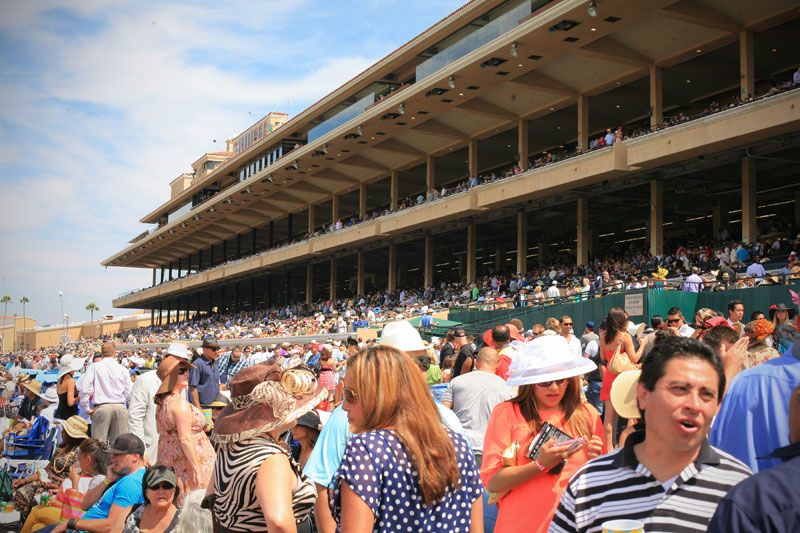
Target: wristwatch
(71, 523)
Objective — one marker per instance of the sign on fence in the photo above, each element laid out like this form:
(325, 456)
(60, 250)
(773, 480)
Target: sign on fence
(634, 304)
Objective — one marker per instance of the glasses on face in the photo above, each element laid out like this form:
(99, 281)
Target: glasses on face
(182, 370)
(349, 395)
(164, 485)
(567, 324)
(537, 333)
(673, 320)
(559, 382)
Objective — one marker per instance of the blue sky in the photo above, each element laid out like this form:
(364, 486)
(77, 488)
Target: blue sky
(104, 102)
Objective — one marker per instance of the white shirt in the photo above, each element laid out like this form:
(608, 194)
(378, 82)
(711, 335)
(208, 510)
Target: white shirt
(553, 292)
(109, 381)
(574, 345)
(686, 330)
(142, 413)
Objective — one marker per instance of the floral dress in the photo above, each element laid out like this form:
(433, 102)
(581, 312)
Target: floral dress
(169, 448)
(57, 470)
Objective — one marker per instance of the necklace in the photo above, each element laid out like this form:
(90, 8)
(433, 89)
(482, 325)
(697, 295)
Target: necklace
(58, 456)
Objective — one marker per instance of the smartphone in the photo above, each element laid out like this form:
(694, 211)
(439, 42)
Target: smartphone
(574, 444)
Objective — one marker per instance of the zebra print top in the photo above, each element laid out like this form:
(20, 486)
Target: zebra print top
(236, 507)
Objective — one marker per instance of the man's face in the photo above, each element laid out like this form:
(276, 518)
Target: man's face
(236, 355)
(537, 332)
(678, 413)
(121, 463)
(566, 326)
(460, 339)
(210, 353)
(736, 313)
(674, 321)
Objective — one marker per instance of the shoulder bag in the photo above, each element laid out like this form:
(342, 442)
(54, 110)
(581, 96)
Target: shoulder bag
(620, 362)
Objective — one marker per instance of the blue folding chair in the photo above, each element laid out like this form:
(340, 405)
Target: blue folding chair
(31, 445)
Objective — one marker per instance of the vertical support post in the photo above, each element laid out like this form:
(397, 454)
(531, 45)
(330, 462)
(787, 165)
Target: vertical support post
(394, 189)
(154, 277)
(162, 274)
(290, 226)
(749, 228)
(211, 256)
(392, 280)
(656, 228)
(334, 208)
(310, 284)
(311, 222)
(522, 143)
(473, 157)
(656, 96)
(429, 261)
(797, 208)
(252, 305)
(583, 123)
(224, 251)
(583, 231)
(498, 259)
(362, 201)
(170, 270)
(472, 238)
(746, 64)
(333, 279)
(544, 253)
(179, 268)
(360, 274)
(253, 243)
(720, 217)
(238, 246)
(430, 174)
(522, 242)
(200, 259)
(271, 233)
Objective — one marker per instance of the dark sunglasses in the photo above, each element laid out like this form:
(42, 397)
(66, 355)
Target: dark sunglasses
(182, 370)
(566, 323)
(673, 320)
(559, 382)
(349, 394)
(164, 485)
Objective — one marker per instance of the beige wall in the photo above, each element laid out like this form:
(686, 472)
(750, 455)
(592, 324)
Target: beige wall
(8, 332)
(33, 339)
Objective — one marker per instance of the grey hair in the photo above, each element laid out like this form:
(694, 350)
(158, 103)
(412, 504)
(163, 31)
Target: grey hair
(193, 519)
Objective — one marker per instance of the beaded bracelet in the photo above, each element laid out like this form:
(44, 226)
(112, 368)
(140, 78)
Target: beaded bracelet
(540, 465)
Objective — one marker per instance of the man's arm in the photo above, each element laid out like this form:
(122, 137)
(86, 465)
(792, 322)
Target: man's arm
(100, 525)
(195, 397)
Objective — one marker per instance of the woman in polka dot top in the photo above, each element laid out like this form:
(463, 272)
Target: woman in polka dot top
(403, 470)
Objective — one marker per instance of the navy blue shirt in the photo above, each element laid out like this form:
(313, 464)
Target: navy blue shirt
(766, 502)
(28, 408)
(206, 378)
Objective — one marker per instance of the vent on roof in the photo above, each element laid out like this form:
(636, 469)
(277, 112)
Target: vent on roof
(436, 91)
(571, 39)
(317, 166)
(344, 150)
(390, 116)
(534, 57)
(493, 62)
(473, 87)
(380, 133)
(401, 123)
(447, 100)
(329, 158)
(362, 142)
(502, 73)
(422, 112)
(564, 25)
(612, 19)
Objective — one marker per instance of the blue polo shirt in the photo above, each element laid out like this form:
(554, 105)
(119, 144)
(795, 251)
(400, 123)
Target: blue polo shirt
(205, 376)
(126, 492)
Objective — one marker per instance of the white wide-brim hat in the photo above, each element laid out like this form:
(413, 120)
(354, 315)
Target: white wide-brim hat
(636, 330)
(547, 358)
(623, 394)
(68, 363)
(51, 395)
(403, 336)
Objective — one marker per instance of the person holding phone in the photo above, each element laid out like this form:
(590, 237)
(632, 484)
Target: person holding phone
(548, 377)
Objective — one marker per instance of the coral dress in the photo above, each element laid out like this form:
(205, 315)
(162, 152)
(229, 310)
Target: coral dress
(169, 448)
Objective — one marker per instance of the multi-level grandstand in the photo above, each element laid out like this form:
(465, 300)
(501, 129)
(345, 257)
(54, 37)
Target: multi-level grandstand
(475, 147)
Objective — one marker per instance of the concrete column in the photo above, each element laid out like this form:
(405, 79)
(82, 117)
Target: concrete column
(154, 277)
(472, 238)
(333, 279)
(334, 208)
(430, 175)
(392, 281)
(360, 274)
(656, 96)
(394, 190)
(720, 216)
(797, 208)
(583, 231)
(289, 226)
(656, 233)
(271, 240)
(583, 123)
(498, 259)
(544, 253)
(747, 64)
(749, 229)
(473, 157)
(522, 242)
(362, 201)
(311, 221)
(429, 264)
(594, 236)
(310, 284)
(522, 143)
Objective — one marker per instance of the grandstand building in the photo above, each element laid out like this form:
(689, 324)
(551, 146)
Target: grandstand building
(702, 89)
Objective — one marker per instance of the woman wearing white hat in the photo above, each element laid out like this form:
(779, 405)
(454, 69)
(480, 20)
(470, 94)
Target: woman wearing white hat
(65, 386)
(548, 377)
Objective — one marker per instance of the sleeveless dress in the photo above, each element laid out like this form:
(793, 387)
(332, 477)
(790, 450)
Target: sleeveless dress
(608, 377)
(169, 448)
(236, 507)
(327, 378)
(64, 411)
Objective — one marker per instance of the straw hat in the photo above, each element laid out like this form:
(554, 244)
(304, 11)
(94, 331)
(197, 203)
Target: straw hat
(177, 353)
(261, 401)
(636, 330)
(33, 386)
(76, 426)
(68, 363)
(405, 337)
(623, 394)
(547, 358)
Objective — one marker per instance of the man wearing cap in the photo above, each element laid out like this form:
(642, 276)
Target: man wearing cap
(115, 497)
(109, 384)
(204, 378)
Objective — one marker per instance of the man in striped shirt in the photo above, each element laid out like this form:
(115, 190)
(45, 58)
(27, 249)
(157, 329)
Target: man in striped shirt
(667, 476)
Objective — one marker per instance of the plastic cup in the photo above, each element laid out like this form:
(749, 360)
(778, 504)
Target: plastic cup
(623, 526)
(9, 507)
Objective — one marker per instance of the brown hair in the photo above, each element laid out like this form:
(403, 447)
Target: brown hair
(577, 419)
(393, 394)
(616, 322)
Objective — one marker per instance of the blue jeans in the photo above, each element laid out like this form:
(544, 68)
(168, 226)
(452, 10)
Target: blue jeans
(593, 395)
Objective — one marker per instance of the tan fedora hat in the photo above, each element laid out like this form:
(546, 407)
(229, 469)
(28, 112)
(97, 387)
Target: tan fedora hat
(623, 394)
(76, 427)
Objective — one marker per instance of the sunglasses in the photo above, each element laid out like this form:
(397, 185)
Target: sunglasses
(164, 485)
(559, 382)
(349, 394)
(673, 320)
(566, 323)
(183, 370)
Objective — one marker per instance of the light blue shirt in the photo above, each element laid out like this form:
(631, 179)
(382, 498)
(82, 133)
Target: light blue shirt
(126, 492)
(329, 449)
(754, 417)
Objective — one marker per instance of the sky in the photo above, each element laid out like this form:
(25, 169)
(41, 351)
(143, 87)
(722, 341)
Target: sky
(104, 102)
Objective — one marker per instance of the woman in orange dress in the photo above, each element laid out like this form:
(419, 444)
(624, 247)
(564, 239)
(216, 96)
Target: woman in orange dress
(183, 443)
(548, 376)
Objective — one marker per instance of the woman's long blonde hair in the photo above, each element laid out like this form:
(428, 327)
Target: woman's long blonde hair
(577, 419)
(393, 395)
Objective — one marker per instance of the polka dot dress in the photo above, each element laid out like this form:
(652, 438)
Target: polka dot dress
(376, 467)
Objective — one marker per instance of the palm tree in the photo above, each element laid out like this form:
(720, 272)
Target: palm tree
(92, 307)
(24, 300)
(5, 300)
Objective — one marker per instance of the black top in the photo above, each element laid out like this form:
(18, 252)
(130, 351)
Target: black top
(64, 411)
(468, 350)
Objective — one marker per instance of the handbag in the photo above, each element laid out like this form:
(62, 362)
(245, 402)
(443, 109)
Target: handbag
(509, 458)
(620, 362)
(5, 485)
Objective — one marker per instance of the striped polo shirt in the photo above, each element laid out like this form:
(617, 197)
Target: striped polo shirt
(618, 486)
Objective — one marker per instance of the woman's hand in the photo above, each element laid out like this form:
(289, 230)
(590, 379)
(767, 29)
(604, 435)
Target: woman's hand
(73, 475)
(551, 455)
(19, 482)
(595, 447)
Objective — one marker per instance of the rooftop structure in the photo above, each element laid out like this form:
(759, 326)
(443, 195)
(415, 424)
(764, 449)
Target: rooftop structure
(517, 89)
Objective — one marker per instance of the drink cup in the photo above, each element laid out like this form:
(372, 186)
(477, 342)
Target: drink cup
(623, 526)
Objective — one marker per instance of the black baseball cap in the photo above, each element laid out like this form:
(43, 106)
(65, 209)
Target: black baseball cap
(210, 342)
(127, 443)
